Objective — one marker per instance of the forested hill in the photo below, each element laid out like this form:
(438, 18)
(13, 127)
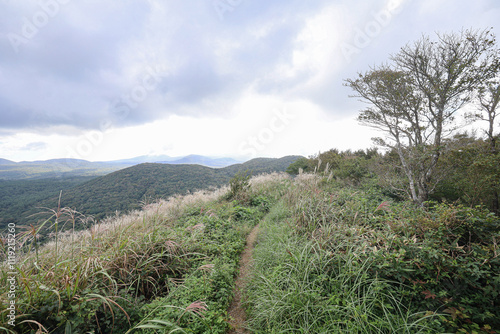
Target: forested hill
(125, 189)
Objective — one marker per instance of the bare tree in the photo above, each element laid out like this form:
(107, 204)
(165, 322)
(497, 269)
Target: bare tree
(489, 102)
(395, 110)
(415, 100)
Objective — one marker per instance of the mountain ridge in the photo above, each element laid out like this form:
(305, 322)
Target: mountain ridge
(68, 167)
(203, 160)
(6, 162)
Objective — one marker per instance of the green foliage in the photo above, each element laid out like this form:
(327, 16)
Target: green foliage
(19, 199)
(239, 186)
(348, 167)
(471, 173)
(448, 255)
(298, 286)
(122, 191)
(261, 202)
(341, 260)
(211, 279)
(300, 164)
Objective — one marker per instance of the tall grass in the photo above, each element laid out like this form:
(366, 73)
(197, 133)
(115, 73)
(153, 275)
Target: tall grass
(85, 279)
(297, 287)
(309, 277)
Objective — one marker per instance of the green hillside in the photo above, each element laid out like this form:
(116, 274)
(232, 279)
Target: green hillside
(126, 189)
(123, 190)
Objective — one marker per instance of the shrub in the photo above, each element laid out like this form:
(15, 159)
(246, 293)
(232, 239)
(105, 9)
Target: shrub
(239, 187)
(446, 258)
(295, 167)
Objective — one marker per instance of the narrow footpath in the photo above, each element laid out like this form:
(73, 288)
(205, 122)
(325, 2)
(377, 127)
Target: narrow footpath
(236, 311)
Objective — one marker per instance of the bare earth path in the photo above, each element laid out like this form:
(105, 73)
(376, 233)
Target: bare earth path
(236, 311)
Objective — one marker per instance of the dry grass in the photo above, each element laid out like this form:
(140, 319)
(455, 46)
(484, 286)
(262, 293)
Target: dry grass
(123, 228)
(268, 179)
(135, 251)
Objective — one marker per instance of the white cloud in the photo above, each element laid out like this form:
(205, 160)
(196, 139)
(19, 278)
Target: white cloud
(259, 125)
(221, 80)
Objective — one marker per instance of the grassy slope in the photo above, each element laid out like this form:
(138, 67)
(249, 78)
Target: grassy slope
(168, 262)
(161, 266)
(330, 259)
(333, 259)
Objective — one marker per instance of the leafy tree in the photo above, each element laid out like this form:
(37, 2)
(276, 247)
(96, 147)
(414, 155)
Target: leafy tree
(471, 172)
(300, 164)
(414, 101)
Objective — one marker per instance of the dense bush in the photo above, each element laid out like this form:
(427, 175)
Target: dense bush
(470, 172)
(350, 260)
(446, 258)
(239, 187)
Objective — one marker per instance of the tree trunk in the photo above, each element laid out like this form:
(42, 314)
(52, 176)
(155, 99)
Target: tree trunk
(496, 202)
(423, 191)
(408, 172)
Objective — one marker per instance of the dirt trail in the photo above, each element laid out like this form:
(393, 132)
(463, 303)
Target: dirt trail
(236, 311)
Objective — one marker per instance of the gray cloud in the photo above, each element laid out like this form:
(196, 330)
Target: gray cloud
(131, 62)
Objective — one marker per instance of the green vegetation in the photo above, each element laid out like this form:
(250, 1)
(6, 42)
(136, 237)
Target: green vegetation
(57, 168)
(239, 186)
(124, 190)
(171, 265)
(22, 198)
(332, 257)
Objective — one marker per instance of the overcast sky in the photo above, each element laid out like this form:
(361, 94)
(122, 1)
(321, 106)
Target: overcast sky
(103, 80)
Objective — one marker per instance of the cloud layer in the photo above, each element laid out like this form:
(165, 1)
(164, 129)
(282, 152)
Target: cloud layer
(76, 66)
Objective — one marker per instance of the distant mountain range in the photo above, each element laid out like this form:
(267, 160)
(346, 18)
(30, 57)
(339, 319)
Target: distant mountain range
(61, 168)
(189, 159)
(6, 162)
(122, 190)
(203, 161)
